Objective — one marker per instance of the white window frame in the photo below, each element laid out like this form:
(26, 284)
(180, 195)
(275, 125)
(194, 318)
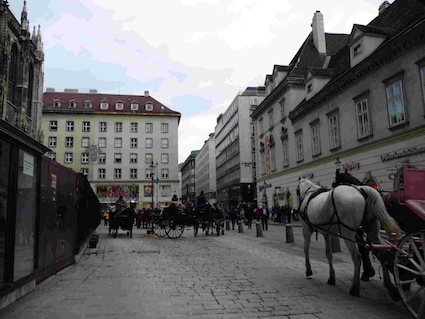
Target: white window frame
(133, 142)
(118, 127)
(56, 103)
(119, 106)
(254, 101)
(149, 128)
(69, 141)
(53, 141)
(103, 126)
(133, 158)
(101, 173)
(148, 158)
(86, 126)
(85, 158)
(134, 127)
(133, 173)
(164, 143)
(69, 127)
(285, 152)
(147, 173)
(334, 139)
(117, 158)
(164, 127)
(165, 158)
(84, 171)
(52, 156)
(134, 106)
(315, 139)
(117, 173)
(85, 141)
(53, 126)
(118, 142)
(104, 105)
(87, 105)
(68, 157)
(363, 118)
(148, 142)
(149, 106)
(72, 104)
(101, 158)
(102, 142)
(299, 149)
(400, 118)
(165, 173)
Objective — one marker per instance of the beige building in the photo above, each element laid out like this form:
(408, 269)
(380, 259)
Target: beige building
(118, 141)
(354, 102)
(205, 174)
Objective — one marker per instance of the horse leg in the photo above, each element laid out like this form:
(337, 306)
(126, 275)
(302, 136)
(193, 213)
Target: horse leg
(368, 270)
(355, 256)
(392, 290)
(331, 280)
(307, 237)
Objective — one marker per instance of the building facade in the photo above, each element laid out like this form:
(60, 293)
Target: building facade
(21, 76)
(235, 154)
(126, 145)
(205, 170)
(357, 104)
(188, 186)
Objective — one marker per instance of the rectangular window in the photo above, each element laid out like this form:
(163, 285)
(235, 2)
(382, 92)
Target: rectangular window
(118, 127)
(357, 49)
(148, 158)
(164, 127)
(69, 126)
(271, 121)
(104, 105)
(102, 142)
(84, 171)
(117, 158)
(85, 141)
(102, 127)
(363, 118)
(395, 102)
(134, 106)
(299, 155)
(315, 139)
(253, 101)
(86, 126)
(68, 157)
(52, 156)
(53, 125)
(282, 108)
(101, 159)
(147, 173)
(148, 142)
(133, 173)
(118, 142)
(69, 141)
(84, 158)
(52, 141)
(117, 173)
(164, 173)
(164, 143)
(133, 142)
(164, 158)
(101, 173)
(334, 131)
(148, 127)
(133, 158)
(133, 127)
(285, 154)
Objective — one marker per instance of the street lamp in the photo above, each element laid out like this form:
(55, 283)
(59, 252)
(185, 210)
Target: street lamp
(152, 166)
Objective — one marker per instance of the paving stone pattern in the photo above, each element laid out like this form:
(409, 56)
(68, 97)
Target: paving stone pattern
(237, 275)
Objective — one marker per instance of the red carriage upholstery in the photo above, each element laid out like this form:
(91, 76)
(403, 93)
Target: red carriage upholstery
(414, 191)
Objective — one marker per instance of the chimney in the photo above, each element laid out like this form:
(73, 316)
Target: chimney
(146, 93)
(383, 6)
(50, 90)
(70, 91)
(93, 91)
(319, 33)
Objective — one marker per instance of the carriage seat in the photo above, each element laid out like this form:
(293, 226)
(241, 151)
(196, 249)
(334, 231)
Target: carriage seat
(414, 191)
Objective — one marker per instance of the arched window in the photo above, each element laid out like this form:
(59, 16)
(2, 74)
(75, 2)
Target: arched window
(13, 66)
(30, 89)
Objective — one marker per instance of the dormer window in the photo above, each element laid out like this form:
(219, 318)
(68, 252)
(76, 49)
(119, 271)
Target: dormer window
(104, 105)
(149, 106)
(56, 103)
(72, 104)
(357, 49)
(87, 105)
(134, 106)
(119, 106)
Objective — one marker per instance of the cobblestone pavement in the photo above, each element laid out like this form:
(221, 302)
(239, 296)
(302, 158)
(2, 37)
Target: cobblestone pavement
(237, 275)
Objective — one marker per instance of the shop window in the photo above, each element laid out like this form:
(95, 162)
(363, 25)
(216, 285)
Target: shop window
(4, 186)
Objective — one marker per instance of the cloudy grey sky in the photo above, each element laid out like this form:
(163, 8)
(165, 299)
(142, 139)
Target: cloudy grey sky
(194, 56)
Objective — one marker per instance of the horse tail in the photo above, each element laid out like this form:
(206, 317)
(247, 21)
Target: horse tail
(375, 204)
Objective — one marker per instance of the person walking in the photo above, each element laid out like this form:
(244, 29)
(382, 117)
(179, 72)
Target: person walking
(264, 217)
(233, 214)
(249, 215)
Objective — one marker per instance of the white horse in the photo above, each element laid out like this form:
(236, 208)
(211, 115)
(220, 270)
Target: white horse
(342, 211)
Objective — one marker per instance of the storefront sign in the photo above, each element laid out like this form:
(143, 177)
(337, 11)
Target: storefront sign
(350, 166)
(406, 152)
(263, 186)
(28, 164)
(53, 183)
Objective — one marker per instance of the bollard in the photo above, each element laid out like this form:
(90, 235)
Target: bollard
(259, 229)
(336, 247)
(227, 225)
(240, 226)
(289, 233)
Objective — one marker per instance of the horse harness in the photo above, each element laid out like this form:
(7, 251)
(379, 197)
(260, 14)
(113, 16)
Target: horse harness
(317, 227)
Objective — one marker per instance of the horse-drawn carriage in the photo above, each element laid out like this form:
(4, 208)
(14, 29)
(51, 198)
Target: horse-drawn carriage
(124, 220)
(173, 221)
(346, 208)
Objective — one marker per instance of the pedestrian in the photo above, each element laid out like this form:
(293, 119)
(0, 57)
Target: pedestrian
(233, 215)
(249, 215)
(144, 218)
(264, 217)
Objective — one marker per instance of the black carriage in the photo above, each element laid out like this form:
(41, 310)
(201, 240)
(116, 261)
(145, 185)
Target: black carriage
(123, 220)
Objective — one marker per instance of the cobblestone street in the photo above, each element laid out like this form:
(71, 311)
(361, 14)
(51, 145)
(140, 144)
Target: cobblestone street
(234, 276)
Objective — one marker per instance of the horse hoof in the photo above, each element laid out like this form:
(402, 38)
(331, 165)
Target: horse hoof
(355, 291)
(308, 273)
(331, 281)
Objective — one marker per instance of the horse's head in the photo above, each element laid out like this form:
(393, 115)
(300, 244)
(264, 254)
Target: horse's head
(304, 184)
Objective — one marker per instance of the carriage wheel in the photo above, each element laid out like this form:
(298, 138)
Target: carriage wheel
(160, 228)
(174, 230)
(409, 272)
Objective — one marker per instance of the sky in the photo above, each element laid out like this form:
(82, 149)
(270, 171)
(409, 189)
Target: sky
(194, 56)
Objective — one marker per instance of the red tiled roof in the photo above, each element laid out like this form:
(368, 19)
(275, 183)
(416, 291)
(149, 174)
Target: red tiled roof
(96, 98)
